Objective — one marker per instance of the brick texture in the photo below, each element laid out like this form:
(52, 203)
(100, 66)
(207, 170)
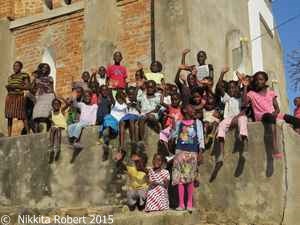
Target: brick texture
(64, 36)
(134, 40)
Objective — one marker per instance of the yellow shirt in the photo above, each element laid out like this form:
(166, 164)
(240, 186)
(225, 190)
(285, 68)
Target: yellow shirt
(59, 120)
(157, 77)
(137, 178)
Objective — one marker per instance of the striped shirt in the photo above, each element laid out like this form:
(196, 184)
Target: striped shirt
(17, 79)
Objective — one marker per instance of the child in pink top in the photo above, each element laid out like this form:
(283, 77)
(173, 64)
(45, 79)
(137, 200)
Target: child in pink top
(117, 73)
(266, 109)
(297, 111)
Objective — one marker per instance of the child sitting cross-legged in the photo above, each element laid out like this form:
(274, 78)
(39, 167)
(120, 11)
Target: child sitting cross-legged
(137, 175)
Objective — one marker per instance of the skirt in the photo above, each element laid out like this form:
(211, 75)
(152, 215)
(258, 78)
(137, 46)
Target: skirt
(43, 106)
(110, 122)
(184, 167)
(15, 107)
(130, 117)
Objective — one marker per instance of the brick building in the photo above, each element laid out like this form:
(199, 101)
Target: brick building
(76, 35)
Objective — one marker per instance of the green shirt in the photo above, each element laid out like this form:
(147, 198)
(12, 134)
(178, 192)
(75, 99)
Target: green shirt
(17, 79)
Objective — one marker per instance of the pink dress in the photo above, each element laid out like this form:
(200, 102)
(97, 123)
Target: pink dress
(157, 197)
(262, 103)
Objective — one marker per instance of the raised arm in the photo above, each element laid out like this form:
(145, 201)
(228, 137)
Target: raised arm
(220, 81)
(184, 53)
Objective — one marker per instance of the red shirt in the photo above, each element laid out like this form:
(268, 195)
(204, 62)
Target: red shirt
(117, 75)
(297, 112)
(176, 113)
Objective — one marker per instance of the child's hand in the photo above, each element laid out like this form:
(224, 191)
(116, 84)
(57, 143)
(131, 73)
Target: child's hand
(182, 67)
(94, 71)
(225, 69)
(186, 51)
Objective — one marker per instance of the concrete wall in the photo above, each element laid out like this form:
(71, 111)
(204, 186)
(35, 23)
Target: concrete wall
(27, 180)
(5, 65)
(208, 25)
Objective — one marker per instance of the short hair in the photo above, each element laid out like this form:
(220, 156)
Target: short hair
(201, 51)
(198, 90)
(56, 100)
(263, 73)
(158, 64)
(19, 62)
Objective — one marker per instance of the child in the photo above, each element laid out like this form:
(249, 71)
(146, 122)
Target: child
(189, 147)
(58, 124)
(140, 79)
(155, 74)
(297, 111)
(173, 114)
(233, 115)
(117, 73)
(111, 122)
(73, 113)
(101, 76)
(266, 109)
(203, 69)
(88, 114)
(185, 86)
(131, 117)
(94, 87)
(137, 174)
(157, 194)
(150, 104)
(84, 83)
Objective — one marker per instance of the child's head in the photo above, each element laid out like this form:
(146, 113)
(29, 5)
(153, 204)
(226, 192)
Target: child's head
(297, 102)
(17, 67)
(158, 161)
(117, 57)
(233, 89)
(139, 74)
(131, 94)
(102, 71)
(85, 76)
(140, 164)
(201, 57)
(87, 97)
(175, 100)
(94, 87)
(260, 80)
(56, 105)
(121, 97)
(104, 90)
(43, 70)
(156, 67)
(197, 95)
(150, 87)
(191, 80)
(188, 111)
(172, 89)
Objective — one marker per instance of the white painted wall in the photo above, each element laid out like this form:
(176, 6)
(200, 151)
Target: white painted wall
(48, 58)
(257, 9)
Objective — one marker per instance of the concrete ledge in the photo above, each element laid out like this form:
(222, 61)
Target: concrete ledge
(65, 10)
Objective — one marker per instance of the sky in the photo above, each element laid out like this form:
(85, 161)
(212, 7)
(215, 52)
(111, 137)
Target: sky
(289, 34)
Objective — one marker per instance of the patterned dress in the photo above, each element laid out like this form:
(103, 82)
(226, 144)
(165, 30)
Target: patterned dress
(157, 197)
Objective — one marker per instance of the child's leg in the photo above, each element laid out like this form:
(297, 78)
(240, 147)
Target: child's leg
(121, 134)
(292, 120)
(222, 130)
(190, 195)
(9, 126)
(153, 122)
(26, 126)
(269, 122)
(181, 195)
(132, 131)
(242, 123)
(142, 122)
(52, 134)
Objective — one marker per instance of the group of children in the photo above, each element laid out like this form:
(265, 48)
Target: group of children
(188, 115)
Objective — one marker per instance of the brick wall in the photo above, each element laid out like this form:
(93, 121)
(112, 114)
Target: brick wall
(64, 35)
(21, 8)
(134, 40)
(6, 8)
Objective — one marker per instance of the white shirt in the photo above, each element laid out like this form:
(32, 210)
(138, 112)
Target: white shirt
(232, 106)
(119, 110)
(148, 104)
(101, 81)
(88, 113)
